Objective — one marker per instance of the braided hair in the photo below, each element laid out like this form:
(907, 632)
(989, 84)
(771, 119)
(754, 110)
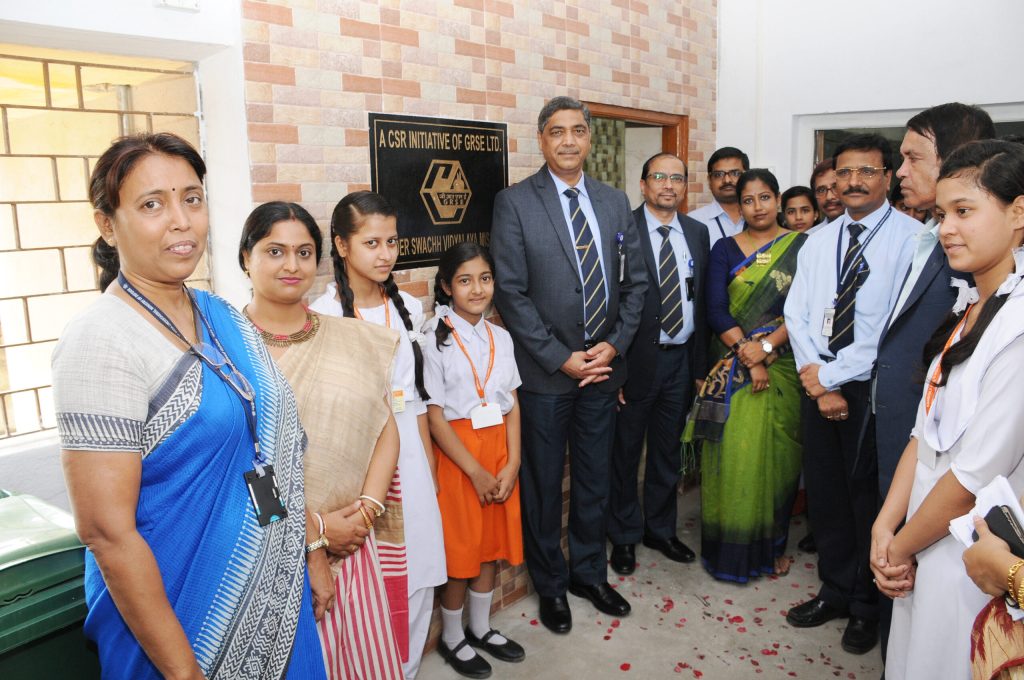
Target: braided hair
(998, 169)
(345, 222)
(447, 268)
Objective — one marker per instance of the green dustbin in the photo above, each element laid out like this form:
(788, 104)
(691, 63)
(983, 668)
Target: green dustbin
(42, 600)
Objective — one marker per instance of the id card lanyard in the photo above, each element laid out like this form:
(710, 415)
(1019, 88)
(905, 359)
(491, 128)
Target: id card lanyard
(397, 396)
(855, 268)
(262, 484)
(932, 389)
(483, 415)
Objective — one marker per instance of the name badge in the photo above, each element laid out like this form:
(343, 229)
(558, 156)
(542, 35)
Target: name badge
(398, 401)
(485, 415)
(622, 267)
(265, 496)
(827, 322)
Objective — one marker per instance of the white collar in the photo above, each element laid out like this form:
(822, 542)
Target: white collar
(464, 328)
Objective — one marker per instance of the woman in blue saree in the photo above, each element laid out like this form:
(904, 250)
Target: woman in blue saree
(166, 398)
(748, 411)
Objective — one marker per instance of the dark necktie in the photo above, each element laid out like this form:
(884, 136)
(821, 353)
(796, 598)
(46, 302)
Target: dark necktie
(671, 293)
(856, 270)
(594, 295)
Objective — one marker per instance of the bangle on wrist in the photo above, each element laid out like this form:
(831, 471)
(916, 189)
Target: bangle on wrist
(366, 517)
(322, 541)
(378, 509)
(1009, 583)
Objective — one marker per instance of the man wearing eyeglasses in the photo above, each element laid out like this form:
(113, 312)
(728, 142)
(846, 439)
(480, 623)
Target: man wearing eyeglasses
(669, 352)
(722, 215)
(823, 183)
(925, 297)
(840, 298)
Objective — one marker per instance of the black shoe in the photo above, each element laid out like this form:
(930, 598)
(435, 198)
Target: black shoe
(555, 614)
(602, 596)
(623, 559)
(670, 547)
(813, 613)
(473, 667)
(860, 635)
(808, 544)
(506, 651)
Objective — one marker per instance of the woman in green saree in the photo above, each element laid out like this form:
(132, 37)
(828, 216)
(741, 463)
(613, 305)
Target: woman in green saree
(748, 411)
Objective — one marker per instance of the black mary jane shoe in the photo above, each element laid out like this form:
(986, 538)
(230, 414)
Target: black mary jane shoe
(509, 651)
(474, 667)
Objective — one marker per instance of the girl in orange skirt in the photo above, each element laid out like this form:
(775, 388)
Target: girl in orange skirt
(471, 376)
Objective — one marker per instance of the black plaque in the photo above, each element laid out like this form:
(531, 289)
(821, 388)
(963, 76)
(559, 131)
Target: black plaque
(441, 175)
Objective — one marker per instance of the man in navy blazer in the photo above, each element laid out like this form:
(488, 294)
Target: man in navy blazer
(570, 283)
(668, 354)
(925, 299)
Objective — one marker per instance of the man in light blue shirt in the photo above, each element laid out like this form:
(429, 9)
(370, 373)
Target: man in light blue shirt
(722, 216)
(842, 293)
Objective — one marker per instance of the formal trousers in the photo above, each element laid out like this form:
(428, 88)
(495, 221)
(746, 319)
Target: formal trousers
(841, 474)
(585, 420)
(658, 416)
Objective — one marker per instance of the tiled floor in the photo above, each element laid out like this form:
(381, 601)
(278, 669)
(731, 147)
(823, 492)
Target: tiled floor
(684, 624)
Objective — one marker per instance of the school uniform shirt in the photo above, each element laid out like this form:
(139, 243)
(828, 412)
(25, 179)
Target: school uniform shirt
(888, 254)
(449, 378)
(423, 534)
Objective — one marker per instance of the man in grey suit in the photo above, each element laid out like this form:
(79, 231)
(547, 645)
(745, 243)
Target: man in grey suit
(570, 284)
(668, 354)
(925, 299)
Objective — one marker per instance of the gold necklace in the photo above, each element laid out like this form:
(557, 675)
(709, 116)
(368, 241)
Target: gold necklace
(305, 333)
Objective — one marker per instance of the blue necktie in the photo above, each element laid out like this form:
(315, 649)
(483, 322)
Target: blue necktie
(671, 293)
(596, 299)
(856, 270)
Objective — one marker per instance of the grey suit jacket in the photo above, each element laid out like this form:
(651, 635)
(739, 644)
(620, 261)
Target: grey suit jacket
(538, 289)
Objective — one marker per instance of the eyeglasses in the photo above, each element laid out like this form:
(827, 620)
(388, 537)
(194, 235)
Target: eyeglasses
(216, 360)
(732, 174)
(661, 177)
(865, 171)
(823, 189)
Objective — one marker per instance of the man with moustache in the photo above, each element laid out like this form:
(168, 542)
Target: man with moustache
(722, 216)
(925, 297)
(570, 284)
(668, 354)
(823, 183)
(837, 306)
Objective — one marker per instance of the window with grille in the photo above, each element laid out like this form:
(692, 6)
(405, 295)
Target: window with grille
(58, 112)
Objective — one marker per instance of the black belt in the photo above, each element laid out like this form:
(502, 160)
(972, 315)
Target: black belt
(667, 347)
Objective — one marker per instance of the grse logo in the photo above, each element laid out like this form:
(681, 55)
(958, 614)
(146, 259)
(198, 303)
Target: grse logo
(445, 192)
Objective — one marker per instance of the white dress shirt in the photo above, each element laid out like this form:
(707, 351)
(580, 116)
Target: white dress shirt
(447, 374)
(926, 239)
(888, 254)
(588, 211)
(718, 222)
(685, 262)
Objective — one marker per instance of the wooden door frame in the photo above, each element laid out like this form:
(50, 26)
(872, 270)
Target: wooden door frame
(675, 132)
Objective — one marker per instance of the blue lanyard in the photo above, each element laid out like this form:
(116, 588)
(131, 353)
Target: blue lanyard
(858, 263)
(247, 399)
(719, 223)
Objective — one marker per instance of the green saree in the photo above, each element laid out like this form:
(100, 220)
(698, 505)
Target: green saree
(751, 446)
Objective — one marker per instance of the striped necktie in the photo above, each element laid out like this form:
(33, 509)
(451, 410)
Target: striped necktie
(671, 292)
(595, 296)
(855, 267)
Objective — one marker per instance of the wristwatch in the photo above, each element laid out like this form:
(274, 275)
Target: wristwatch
(767, 346)
(317, 544)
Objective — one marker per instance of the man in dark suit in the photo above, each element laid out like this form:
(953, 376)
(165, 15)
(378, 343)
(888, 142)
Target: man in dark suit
(668, 354)
(570, 284)
(925, 299)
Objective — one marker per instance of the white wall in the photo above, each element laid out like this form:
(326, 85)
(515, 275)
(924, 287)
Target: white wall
(786, 68)
(212, 38)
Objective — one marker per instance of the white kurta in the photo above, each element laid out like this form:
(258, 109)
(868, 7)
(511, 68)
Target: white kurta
(424, 540)
(931, 627)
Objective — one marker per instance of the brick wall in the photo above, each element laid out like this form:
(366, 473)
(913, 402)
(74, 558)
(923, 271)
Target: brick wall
(314, 68)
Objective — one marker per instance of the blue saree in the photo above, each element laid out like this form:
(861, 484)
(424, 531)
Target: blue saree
(239, 590)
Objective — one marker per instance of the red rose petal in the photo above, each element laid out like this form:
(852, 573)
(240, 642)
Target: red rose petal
(624, 667)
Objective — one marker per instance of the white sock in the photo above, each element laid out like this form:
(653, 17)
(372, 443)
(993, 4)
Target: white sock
(452, 635)
(480, 615)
